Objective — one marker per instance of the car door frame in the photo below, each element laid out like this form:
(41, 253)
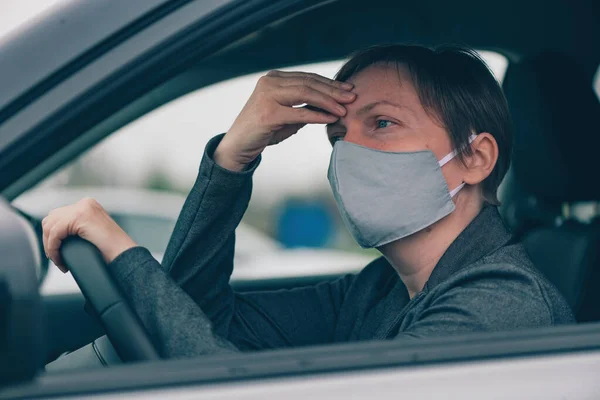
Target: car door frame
(35, 138)
(498, 358)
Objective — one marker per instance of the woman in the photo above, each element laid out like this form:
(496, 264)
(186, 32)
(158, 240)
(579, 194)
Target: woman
(421, 140)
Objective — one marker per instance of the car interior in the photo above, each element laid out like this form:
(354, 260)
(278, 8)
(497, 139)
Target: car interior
(553, 166)
(553, 49)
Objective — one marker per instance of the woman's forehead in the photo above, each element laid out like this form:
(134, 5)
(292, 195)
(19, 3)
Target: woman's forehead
(383, 82)
(398, 74)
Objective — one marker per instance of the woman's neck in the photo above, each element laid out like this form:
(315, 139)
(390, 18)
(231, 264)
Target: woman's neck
(414, 257)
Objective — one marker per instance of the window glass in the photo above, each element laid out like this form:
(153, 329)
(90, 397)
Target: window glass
(291, 217)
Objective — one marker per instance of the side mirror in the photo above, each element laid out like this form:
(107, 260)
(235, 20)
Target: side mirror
(22, 351)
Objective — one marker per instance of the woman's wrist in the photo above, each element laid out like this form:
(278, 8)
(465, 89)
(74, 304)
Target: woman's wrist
(223, 158)
(115, 244)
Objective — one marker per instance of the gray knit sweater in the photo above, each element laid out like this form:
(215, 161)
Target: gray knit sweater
(483, 282)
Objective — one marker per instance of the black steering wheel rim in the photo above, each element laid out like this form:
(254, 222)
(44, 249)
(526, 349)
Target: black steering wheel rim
(121, 324)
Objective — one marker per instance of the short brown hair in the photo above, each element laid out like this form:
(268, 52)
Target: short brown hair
(457, 88)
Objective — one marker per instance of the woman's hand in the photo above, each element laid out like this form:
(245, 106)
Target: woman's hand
(86, 219)
(269, 116)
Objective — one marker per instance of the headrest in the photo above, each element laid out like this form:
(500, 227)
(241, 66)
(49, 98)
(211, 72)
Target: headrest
(557, 136)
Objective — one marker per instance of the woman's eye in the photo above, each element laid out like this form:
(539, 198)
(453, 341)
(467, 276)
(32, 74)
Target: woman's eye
(383, 123)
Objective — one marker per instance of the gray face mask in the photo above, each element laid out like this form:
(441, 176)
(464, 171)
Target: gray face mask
(385, 196)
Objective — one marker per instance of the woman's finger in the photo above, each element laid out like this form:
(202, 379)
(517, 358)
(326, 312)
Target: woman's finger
(303, 115)
(285, 132)
(58, 222)
(48, 224)
(56, 234)
(292, 95)
(45, 222)
(339, 95)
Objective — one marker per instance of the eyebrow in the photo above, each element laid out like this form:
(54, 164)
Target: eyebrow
(365, 109)
(370, 106)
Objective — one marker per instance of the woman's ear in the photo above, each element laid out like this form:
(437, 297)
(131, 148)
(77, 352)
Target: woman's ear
(481, 162)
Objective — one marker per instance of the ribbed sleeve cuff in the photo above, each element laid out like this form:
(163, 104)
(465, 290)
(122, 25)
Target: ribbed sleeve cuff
(128, 261)
(214, 172)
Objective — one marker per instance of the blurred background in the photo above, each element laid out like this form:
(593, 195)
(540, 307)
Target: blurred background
(142, 173)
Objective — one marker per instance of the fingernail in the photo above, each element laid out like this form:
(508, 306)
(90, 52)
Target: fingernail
(347, 85)
(349, 95)
(341, 109)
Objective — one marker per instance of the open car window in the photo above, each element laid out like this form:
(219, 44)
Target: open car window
(291, 220)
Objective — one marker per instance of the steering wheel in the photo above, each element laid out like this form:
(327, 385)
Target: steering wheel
(122, 326)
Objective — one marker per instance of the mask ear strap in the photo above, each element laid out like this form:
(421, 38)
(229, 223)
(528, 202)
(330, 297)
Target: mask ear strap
(456, 190)
(447, 158)
(453, 153)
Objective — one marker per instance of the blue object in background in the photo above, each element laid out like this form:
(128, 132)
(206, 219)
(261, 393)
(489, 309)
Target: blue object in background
(304, 224)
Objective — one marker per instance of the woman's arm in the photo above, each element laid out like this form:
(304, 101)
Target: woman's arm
(199, 256)
(178, 327)
(200, 260)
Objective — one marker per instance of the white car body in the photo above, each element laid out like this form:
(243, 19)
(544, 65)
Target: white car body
(257, 256)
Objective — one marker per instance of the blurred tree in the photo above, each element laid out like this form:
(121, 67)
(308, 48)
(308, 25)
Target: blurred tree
(90, 172)
(158, 179)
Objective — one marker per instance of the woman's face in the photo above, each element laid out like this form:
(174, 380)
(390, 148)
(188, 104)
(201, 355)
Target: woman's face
(387, 115)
